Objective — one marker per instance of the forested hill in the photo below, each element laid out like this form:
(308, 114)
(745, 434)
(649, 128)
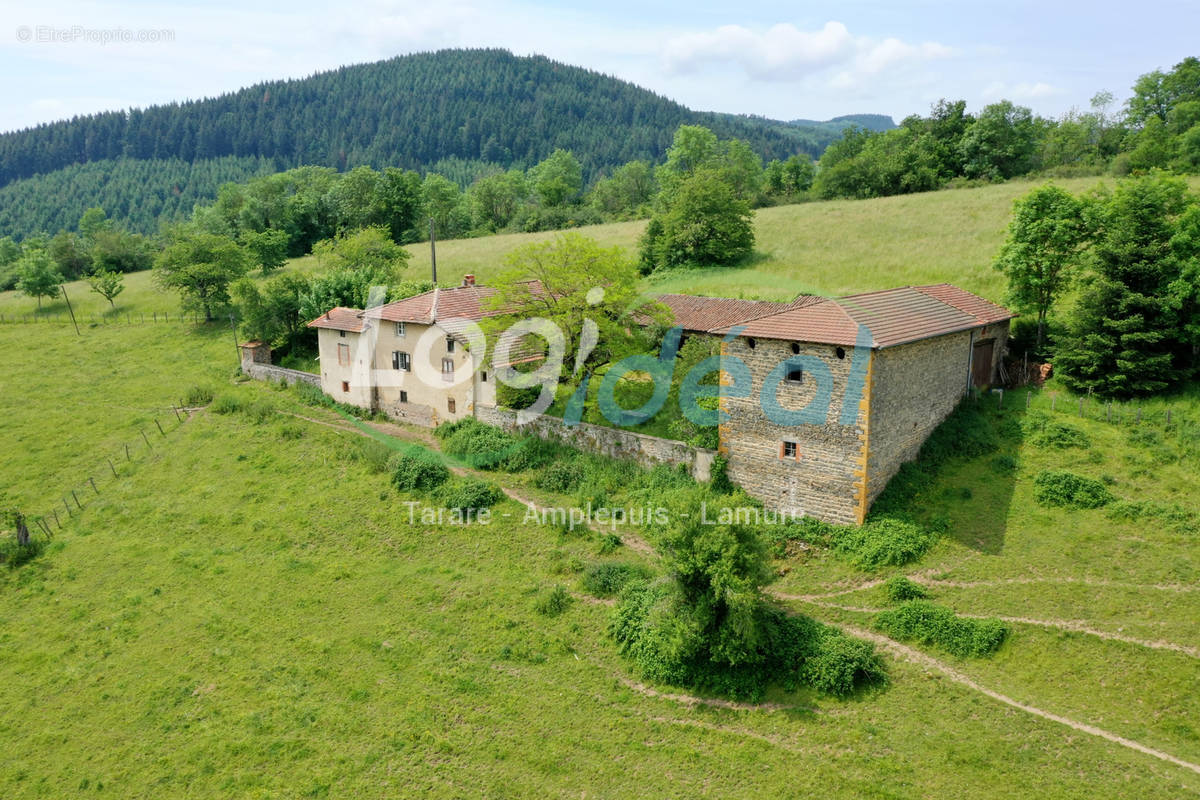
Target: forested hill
(410, 111)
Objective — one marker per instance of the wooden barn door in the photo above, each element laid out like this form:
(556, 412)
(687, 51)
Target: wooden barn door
(981, 363)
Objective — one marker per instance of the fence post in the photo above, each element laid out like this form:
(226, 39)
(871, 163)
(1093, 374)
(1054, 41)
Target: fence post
(1000, 404)
(76, 498)
(146, 439)
(1081, 406)
(1139, 417)
(110, 466)
(93, 483)
(176, 410)
(1054, 401)
(128, 457)
(54, 511)
(159, 424)
(1108, 411)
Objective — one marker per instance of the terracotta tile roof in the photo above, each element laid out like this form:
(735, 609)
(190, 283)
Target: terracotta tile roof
(985, 311)
(441, 305)
(340, 319)
(696, 313)
(891, 317)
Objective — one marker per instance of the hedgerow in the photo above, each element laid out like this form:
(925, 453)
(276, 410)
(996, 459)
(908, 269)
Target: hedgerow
(931, 624)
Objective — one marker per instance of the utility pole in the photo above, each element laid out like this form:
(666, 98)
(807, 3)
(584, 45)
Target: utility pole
(73, 322)
(237, 348)
(433, 251)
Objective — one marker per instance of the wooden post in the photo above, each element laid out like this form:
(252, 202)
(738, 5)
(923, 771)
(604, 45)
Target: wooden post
(76, 498)
(146, 439)
(1081, 406)
(1139, 417)
(1000, 404)
(128, 457)
(155, 316)
(1028, 397)
(54, 511)
(110, 466)
(176, 410)
(1108, 411)
(1053, 401)
(159, 424)
(1168, 416)
(93, 483)
(69, 309)
(45, 527)
(432, 251)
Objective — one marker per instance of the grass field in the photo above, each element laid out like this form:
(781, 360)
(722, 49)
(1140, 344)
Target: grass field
(829, 248)
(248, 611)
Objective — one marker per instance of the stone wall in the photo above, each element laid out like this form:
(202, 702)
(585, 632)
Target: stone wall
(269, 372)
(914, 387)
(825, 478)
(649, 451)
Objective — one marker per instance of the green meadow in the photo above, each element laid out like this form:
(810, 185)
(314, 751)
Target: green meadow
(246, 609)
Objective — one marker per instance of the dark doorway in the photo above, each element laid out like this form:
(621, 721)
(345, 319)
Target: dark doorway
(981, 363)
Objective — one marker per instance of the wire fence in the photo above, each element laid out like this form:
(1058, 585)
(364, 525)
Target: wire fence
(127, 318)
(1154, 413)
(74, 499)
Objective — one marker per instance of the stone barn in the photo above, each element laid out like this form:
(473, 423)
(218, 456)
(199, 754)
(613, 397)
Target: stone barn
(825, 399)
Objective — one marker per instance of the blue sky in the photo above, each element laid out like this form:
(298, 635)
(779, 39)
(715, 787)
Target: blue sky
(812, 60)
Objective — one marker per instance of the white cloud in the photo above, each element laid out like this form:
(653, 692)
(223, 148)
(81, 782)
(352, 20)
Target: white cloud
(999, 90)
(784, 52)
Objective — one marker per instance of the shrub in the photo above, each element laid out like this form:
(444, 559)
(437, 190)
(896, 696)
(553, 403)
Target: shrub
(469, 494)
(198, 396)
(1004, 464)
(930, 624)
(227, 404)
(1060, 488)
(14, 554)
(421, 472)
(607, 579)
(886, 541)
(561, 476)
(478, 445)
(554, 602)
(719, 476)
(531, 452)
(838, 664)
(900, 588)
(1061, 436)
(1176, 516)
(609, 542)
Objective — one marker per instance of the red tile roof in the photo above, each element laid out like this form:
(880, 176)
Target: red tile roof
(339, 319)
(890, 317)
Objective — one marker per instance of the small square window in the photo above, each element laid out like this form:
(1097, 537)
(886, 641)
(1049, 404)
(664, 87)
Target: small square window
(795, 376)
(346, 386)
(789, 450)
(450, 404)
(401, 361)
(483, 376)
(403, 396)
(448, 369)
(342, 334)
(449, 345)
(400, 330)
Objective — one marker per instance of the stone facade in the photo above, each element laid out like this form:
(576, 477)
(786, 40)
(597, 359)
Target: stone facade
(649, 451)
(824, 475)
(256, 362)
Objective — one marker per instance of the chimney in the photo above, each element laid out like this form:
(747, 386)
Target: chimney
(468, 280)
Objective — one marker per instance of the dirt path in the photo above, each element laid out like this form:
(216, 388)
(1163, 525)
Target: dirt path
(928, 662)
(1103, 584)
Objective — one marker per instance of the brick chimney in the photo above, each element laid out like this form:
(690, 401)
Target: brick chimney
(468, 280)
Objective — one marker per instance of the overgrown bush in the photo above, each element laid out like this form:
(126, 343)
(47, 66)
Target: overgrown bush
(1066, 489)
(719, 476)
(561, 476)
(900, 589)
(553, 602)
(609, 543)
(469, 494)
(227, 404)
(931, 624)
(607, 579)
(1061, 436)
(884, 542)
(663, 640)
(13, 554)
(1175, 516)
(422, 472)
(478, 445)
(198, 396)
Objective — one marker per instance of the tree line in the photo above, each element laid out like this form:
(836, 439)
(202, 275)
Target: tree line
(1159, 127)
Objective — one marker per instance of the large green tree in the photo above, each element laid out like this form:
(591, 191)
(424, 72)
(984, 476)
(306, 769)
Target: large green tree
(1045, 240)
(1001, 143)
(1128, 335)
(37, 275)
(558, 179)
(703, 223)
(201, 266)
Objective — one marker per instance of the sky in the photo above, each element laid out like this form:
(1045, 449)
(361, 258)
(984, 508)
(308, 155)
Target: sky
(814, 60)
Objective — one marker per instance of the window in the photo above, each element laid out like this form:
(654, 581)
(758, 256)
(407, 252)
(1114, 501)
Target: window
(345, 386)
(795, 375)
(789, 450)
(401, 360)
(449, 345)
(450, 404)
(403, 396)
(750, 343)
(342, 334)
(841, 352)
(795, 348)
(399, 330)
(483, 376)
(448, 369)
(343, 355)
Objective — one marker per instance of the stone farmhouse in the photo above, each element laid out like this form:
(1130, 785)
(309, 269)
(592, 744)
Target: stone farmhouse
(822, 398)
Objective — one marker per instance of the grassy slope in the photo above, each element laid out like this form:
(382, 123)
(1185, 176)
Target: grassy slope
(248, 612)
(835, 247)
